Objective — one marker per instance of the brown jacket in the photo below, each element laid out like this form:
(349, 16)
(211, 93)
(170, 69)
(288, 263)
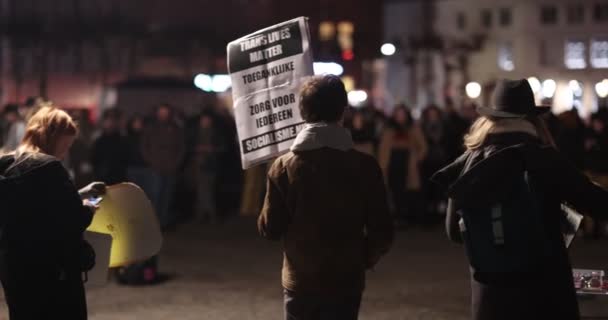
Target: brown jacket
(163, 147)
(418, 148)
(329, 208)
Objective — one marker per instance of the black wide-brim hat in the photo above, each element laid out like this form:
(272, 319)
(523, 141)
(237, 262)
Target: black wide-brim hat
(512, 99)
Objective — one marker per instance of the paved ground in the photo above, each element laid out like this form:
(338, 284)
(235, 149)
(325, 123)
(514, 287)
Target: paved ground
(227, 272)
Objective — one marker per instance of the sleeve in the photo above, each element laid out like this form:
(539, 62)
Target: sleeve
(274, 218)
(76, 216)
(421, 147)
(379, 224)
(571, 185)
(72, 220)
(452, 219)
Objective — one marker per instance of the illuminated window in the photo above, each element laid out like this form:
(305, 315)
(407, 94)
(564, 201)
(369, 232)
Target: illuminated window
(505, 56)
(599, 53)
(548, 15)
(576, 13)
(574, 54)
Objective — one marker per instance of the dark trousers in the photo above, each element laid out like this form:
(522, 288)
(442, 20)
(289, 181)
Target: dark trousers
(313, 307)
(159, 188)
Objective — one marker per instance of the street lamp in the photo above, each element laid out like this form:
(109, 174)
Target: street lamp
(357, 98)
(388, 49)
(473, 90)
(601, 88)
(549, 87)
(333, 68)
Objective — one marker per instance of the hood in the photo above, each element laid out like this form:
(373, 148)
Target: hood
(24, 165)
(485, 175)
(323, 135)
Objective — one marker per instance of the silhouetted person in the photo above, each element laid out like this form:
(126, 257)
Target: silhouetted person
(327, 203)
(163, 148)
(42, 251)
(505, 203)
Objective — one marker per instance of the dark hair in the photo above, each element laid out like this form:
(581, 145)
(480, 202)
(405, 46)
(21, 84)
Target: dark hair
(408, 114)
(323, 99)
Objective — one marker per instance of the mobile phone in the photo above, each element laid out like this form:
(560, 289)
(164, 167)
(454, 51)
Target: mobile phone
(95, 200)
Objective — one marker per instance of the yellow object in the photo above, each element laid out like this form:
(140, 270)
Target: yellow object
(127, 215)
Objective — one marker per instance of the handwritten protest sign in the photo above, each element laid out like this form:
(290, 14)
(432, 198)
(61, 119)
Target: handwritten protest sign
(267, 69)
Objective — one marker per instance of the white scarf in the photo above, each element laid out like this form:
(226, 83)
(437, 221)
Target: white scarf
(323, 135)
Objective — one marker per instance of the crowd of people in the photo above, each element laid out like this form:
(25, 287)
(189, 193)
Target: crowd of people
(508, 169)
(189, 167)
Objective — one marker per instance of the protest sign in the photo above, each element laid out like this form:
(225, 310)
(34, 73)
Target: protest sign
(267, 69)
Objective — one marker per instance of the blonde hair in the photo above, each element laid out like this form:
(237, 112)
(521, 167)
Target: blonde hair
(44, 129)
(485, 126)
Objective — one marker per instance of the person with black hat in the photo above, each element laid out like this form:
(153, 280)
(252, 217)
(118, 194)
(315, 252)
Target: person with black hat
(505, 204)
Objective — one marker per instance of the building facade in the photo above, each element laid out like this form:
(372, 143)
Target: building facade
(75, 52)
(561, 45)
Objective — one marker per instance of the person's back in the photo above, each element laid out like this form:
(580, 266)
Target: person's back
(328, 194)
(327, 203)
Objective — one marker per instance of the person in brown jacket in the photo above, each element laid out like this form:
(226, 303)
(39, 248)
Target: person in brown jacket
(327, 203)
(163, 148)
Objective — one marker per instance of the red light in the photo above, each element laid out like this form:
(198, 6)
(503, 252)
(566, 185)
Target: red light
(348, 55)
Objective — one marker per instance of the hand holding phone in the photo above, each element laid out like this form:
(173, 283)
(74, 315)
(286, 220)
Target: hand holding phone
(95, 200)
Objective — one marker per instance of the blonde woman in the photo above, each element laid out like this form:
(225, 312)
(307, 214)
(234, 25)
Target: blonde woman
(42, 251)
(505, 196)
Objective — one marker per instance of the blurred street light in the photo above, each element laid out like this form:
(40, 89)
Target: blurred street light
(473, 90)
(549, 87)
(534, 84)
(333, 68)
(204, 82)
(576, 87)
(217, 83)
(388, 49)
(357, 98)
(601, 88)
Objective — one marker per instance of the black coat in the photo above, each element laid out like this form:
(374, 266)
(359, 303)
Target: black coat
(545, 292)
(110, 158)
(42, 251)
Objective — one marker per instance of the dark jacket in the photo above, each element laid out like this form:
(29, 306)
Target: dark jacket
(547, 291)
(42, 251)
(110, 158)
(163, 147)
(329, 208)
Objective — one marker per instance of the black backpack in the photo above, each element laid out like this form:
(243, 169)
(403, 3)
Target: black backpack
(505, 232)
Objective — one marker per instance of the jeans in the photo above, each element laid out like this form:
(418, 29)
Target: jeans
(159, 188)
(313, 307)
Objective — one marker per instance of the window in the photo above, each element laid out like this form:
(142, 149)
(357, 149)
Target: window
(600, 12)
(505, 17)
(599, 53)
(461, 21)
(505, 56)
(486, 18)
(576, 13)
(548, 15)
(574, 54)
